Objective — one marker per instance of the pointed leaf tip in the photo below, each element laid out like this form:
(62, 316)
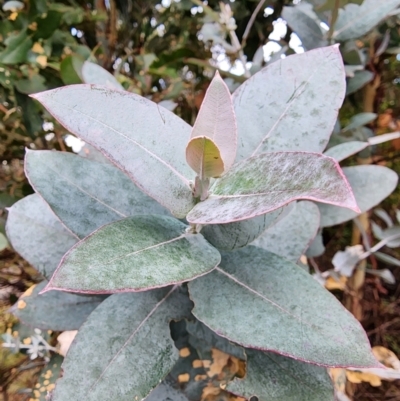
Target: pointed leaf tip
(216, 120)
(303, 91)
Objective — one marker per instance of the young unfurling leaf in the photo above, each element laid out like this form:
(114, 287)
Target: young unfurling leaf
(204, 157)
(216, 120)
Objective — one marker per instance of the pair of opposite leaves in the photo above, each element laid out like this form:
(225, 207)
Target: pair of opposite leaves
(211, 150)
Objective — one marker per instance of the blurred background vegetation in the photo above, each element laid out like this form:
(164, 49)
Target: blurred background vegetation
(168, 51)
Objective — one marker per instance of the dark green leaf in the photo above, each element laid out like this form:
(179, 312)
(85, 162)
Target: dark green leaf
(30, 114)
(33, 85)
(17, 49)
(260, 300)
(70, 69)
(134, 254)
(47, 23)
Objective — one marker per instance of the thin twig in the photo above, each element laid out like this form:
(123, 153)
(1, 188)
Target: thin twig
(206, 64)
(364, 234)
(379, 245)
(335, 13)
(238, 47)
(251, 22)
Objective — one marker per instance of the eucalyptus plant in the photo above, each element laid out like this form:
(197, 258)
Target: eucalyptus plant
(202, 225)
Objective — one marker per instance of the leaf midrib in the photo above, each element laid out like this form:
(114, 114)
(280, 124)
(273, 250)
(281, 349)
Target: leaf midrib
(73, 109)
(159, 303)
(86, 193)
(141, 250)
(284, 113)
(237, 281)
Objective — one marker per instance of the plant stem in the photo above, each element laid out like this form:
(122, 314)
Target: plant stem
(335, 13)
(206, 64)
(238, 47)
(251, 22)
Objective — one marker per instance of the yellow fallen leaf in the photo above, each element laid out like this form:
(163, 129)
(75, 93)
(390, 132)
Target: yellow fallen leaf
(339, 379)
(21, 304)
(219, 361)
(13, 16)
(42, 61)
(332, 284)
(359, 377)
(184, 378)
(197, 363)
(29, 291)
(184, 352)
(386, 357)
(37, 48)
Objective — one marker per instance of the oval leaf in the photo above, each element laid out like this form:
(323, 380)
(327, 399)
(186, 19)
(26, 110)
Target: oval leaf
(273, 377)
(216, 120)
(112, 343)
(359, 120)
(273, 312)
(144, 140)
(134, 254)
(292, 235)
(268, 181)
(95, 74)
(291, 104)
(55, 310)
(360, 79)
(357, 20)
(370, 184)
(37, 234)
(302, 20)
(345, 150)
(240, 233)
(204, 157)
(85, 194)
